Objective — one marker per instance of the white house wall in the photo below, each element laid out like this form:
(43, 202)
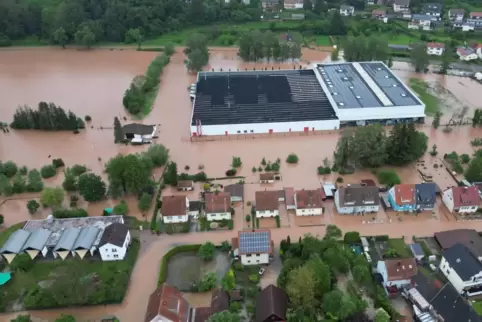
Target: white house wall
(254, 259)
(175, 219)
(218, 216)
(281, 127)
(379, 113)
(266, 213)
(309, 212)
(108, 252)
(448, 199)
(451, 275)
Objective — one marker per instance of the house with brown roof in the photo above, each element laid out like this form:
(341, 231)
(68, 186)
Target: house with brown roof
(357, 200)
(218, 206)
(435, 48)
(475, 15)
(267, 204)
(168, 304)
(467, 237)
(309, 202)
(379, 13)
(267, 177)
(397, 273)
(271, 304)
(185, 185)
(402, 197)
(236, 191)
(174, 209)
(253, 247)
(463, 200)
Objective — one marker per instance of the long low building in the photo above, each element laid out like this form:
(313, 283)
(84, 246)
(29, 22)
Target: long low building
(322, 98)
(60, 238)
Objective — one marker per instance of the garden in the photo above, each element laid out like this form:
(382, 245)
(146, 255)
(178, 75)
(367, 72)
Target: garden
(45, 284)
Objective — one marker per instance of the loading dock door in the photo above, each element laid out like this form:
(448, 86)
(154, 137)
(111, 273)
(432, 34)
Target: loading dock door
(306, 129)
(270, 131)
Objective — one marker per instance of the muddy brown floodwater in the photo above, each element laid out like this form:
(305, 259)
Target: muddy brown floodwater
(93, 83)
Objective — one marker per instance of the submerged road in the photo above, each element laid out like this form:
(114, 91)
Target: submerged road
(145, 274)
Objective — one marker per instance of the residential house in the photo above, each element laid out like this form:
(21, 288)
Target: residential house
(370, 2)
(174, 209)
(435, 48)
(266, 204)
(269, 4)
(290, 198)
(347, 10)
(271, 304)
(417, 251)
(195, 209)
(114, 242)
(309, 202)
(139, 133)
(425, 196)
(464, 200)
(401, 5)
(423, 22)
(185, 185)
(433, 9)
(236, 191)
(470, 238)
(379, 13)
(397, 273)
(462, 269)
(293, 4)
(472, 24)
(402, 197)
(253, 247)
(218, 206)
(456, 15)
(168, 304)
(475, 15)
(267, 177)
(329, 189)
(219, 303)
(357, 200)
(466, 53)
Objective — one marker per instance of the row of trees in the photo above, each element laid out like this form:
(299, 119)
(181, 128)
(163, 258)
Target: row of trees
(257, 45)
(144, 87)
(369, 146)
(87, 22)
(48, 117)
(363, 48)
(197, 52)
(420, 59)
(62, 318)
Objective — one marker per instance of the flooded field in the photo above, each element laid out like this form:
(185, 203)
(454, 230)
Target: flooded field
(93, 82)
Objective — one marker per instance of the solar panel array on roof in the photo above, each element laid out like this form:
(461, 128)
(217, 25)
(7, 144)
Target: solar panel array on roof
(389, 84)
(260, 97)
(254, 242)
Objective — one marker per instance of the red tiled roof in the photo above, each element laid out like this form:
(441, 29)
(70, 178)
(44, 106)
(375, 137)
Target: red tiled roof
(173, 206)
(436, 45)
(218, 202)
(466, 196)
(267, 200)
(168, 302)
(476, 14)
(310, 199)
(404, 194)
(401, 269)
(266, 176)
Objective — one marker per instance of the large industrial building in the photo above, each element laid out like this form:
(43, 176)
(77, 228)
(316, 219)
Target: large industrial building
(322, 98)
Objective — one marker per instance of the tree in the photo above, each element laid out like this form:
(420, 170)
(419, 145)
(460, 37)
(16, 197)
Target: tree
(446, 59)
(206, 251)
(321, 273)
(22, 318)
(336, 258)
(19, 184)
(34, 181)
(382, 316)
(121, 208)
(224, 316)
(134, 35)
(5, 186)
(351, 237)
(129, 173)
(419, 57)
(307, 5)
(70, 181)
(335, 54)
(332, 231)
(85, 37)
(319, 7)
(332, 302)
(145, 202)
(32, 206)
(118, 132)
(60, 37)
(228, 282)
(390, 62)
(48, 171)
(369, 145)
(158, 154)
(337, 26)
(9, 169)
(388, 177)
(207, 282)
(170, 176)
(361, 274)
(301, 288)
(52, 197)
(91, 187)
(197, 52)
(474, 171)
(2, 220)
(405, 144)
(436, 120)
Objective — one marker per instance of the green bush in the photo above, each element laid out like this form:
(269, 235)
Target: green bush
(382, 238)
(236, 163)
(235, 307)
(48, 171)
(238, 267)
(278, 221)
(121, 208)
(465, 158)
(339, 180)
(78, 169)
(169, 254)
(58, 163)
(324, 170)
(254, 278)
(292, 158)
(351, 237)
(21, 263)
(9, 169)
(388, 177)
(70, 213)
(207, 282)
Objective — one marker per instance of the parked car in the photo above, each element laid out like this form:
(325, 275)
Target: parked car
(261, 271)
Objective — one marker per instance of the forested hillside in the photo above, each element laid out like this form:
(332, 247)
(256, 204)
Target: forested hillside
(66, 21)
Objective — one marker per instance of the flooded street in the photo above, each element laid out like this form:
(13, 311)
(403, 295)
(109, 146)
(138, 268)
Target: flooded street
(93, 83)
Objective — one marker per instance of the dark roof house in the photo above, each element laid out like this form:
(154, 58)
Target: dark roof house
(219, 303)
(467, 237)
(235, 190)
(402, 3)
(254, 242)
(425, 194)
(358, 196)
(139, 129)
(432, 8)
(271, 304)
(462, 261)
(114, 234)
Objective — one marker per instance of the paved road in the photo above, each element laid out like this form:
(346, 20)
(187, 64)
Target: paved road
(145, 273)
(455, 65)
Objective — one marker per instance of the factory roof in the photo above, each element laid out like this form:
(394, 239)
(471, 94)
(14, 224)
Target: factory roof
(365, 85)
(15, 242)
(37, 239)
(68, 238)
(87, 237)
(247, 97)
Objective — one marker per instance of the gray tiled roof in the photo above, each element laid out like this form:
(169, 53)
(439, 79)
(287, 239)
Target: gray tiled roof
(15, 242)
(87, 237)
(67, 240)
(37, 240)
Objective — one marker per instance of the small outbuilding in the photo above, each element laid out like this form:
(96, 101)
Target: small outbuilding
(185, 185)
(417, 251)
(236, 191)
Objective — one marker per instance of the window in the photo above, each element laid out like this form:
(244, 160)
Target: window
(179, 217)
(116, 256)
(257, 255)
(448, 272)
(239, 132)
(248, 255)
(114, 250)
(257, 261)
(245, 131)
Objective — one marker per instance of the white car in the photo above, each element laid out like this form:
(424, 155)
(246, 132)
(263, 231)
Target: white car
(261, 271)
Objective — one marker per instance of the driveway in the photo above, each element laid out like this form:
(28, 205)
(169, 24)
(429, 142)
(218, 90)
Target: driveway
(270, 276)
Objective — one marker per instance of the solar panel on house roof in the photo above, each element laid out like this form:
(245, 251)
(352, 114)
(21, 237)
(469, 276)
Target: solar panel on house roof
(254, 242)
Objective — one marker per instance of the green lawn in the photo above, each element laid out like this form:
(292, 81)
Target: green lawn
(400, 247)
(421, 88)
(477, 305)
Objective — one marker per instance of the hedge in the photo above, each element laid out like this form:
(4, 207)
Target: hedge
(169, 254)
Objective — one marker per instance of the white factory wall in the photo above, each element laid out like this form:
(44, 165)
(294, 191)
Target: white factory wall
(378, 113)
(229, 129)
